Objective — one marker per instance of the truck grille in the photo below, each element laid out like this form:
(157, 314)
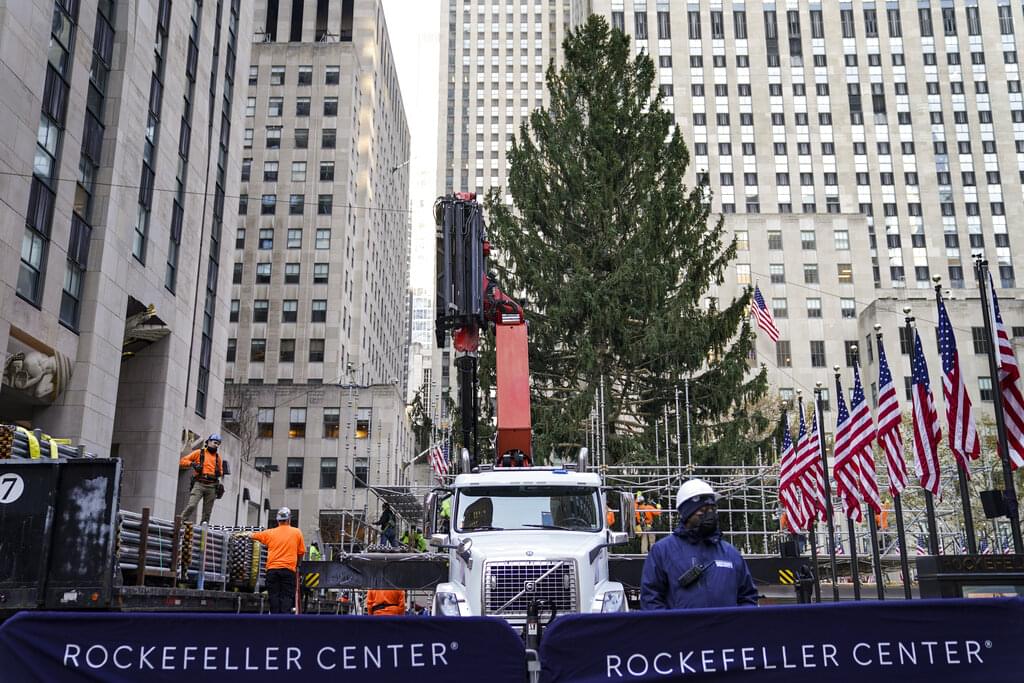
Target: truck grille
(503, 581)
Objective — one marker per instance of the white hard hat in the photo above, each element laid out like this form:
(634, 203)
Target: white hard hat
(692, 488)
(284, 514)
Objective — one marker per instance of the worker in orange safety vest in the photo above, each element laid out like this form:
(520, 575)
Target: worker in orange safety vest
(382, 603)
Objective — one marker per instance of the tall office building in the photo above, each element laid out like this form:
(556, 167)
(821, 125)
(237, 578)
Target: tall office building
(319, 286)
(117, 162)
(856, 149)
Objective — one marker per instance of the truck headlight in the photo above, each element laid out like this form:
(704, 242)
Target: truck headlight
(614, 601)
(448, 604)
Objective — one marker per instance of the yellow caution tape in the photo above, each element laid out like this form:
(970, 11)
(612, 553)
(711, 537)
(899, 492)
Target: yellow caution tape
(787, 577)
(312, 580)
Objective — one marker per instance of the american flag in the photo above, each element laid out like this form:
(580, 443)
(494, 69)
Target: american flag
(922, 545)
(789, 489)
(861, 437)
(984, 547)
(890, 419)
(809, 470)
(963, 439)
(845, 468)
(764, 316)
(927, 432)
(438, 460)
(1009, 373)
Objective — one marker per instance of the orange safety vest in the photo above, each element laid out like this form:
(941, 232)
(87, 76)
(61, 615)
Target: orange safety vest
(207, 469)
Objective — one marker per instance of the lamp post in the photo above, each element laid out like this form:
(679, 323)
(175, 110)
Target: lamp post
(265, 471)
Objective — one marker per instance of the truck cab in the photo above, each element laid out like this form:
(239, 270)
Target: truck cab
(516, 536)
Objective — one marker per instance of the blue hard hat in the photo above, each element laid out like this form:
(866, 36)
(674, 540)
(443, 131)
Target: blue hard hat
(215, 437)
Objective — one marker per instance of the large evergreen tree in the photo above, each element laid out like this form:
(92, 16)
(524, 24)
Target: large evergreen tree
(612, 256)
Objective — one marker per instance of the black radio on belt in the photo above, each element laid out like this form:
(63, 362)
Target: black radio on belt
(692, 574)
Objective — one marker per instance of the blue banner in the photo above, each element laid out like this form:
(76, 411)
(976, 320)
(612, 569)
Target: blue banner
(920, 640)
(51, 646)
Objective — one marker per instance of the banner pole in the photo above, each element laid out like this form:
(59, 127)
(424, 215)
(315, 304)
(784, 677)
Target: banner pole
(929, 502)
(813, 532)
(854, 562)
(897, 506)
(875, 555)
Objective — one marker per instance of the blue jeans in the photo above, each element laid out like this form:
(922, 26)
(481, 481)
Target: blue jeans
(389, 536)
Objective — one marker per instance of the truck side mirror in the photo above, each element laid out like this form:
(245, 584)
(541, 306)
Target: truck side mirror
(627, 508)
(438, 540)
(429, 513)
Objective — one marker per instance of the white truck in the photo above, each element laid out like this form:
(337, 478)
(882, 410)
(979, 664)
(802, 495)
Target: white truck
(517, 535)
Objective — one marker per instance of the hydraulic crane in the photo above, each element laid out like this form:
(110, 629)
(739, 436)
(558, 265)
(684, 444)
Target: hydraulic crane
(468, 299)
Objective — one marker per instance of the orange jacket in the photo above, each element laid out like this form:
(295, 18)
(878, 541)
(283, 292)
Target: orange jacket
(380, 603)
(645, 514)
(284, 546)
(213, 465)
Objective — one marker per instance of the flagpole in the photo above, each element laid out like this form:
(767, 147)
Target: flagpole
(981, 271)
(854, 562)
(812, 524)
(820, 417)
(876, 559)
(897, 505)
(965, 495)
(929, 499)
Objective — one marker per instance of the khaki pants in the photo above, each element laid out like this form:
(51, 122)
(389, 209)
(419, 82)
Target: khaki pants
(200, 492)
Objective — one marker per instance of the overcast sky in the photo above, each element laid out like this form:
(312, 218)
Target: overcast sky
(415, 30)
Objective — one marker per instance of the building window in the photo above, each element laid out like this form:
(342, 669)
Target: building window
(316, 350)
(848, 308)
(332, 75)
(258, 350)
(320, 273)
(301, 138)
(328, 473)
(260, 307)
(232, 350)
(298, 171)
(296, 204)
(811, 274)
(319, 311)
(324, 204)
(742, 240)
(296, 423)
(780, 308)
(294, 238)
(273, 137)
(783, 355)
(845, 273)
(664, 26)
(323, 238)
(808, 240)
(775, 240)
(813, 307)
(328, 138)
(277, 75)
(266, 241)
(818, 354)
(263, 271)
(268, 204)
(275, 107)
(361, 472)
(777, 273)
(825, 396)
(265, 423)
(326, 171)
(985, 388)
(233, 315)
(852, 353)
(305, 75)
(332, 423)
(842, 239)
(980, 340)
(743, 273)
(302, 107)
(330, 106)
(292, 272)
(236, 274)
(289, 311)
(287, 351)
(293, 474)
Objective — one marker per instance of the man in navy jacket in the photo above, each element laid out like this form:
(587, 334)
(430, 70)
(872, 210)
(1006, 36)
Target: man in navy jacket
(694, 567)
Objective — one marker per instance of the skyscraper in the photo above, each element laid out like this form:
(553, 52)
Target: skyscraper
(856, 150)
(118, 160)
(321, 254)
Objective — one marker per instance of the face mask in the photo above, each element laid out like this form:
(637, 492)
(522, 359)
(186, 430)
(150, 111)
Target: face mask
(708, 525)
(214, 446)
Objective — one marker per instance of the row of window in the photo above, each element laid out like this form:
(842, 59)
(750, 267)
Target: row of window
(298, 175)
(808, 240)
(292, 273)
(289, 310)
(293, 241)
(328, 138)
(304, 75)
(275, 106)
(780, 307)
(295, 470)
(777, 273)
(286, 353)
(296, 204)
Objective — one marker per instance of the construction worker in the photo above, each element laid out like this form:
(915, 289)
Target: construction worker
(694, 567)
(285, 548)
(207, 470)
(644, 522)
(314, 552)
(414, 540)
(382, 603)
(387, 524)
(446, 515)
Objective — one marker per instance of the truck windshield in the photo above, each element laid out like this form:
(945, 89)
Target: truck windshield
(527, 507)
